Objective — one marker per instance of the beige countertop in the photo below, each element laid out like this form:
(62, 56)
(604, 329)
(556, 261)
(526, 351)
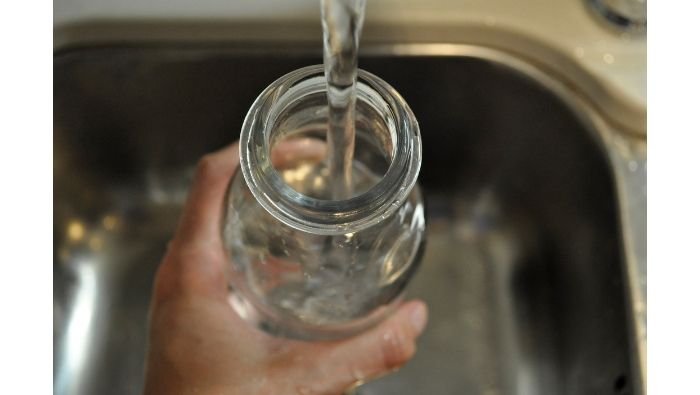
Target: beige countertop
(561, 35)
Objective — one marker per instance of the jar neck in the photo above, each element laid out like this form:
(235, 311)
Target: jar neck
(269, 121)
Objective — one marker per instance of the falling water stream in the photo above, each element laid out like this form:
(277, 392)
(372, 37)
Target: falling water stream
(342, 25)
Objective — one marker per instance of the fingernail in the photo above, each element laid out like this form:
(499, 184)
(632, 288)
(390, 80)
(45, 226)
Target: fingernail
(419, 317)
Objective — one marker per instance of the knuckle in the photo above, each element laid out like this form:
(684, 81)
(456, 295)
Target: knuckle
(206, 166)
(397, 347)
(167, 286)
(163, 281)
(187, 270)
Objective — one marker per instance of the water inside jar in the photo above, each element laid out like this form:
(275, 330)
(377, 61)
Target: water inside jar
(321, 279)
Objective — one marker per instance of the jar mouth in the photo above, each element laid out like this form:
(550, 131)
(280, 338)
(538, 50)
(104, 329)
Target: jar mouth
(329, 216)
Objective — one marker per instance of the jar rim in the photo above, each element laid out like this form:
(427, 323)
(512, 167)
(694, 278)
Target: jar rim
(329, 216)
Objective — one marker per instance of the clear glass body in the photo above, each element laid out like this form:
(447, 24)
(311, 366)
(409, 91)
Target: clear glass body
(306, 266)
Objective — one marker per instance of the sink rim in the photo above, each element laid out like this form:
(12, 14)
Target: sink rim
(614, 138)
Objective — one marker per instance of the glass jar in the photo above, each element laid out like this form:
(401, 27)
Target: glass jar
(305, 266)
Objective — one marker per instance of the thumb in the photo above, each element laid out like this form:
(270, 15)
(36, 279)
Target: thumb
(377, 352)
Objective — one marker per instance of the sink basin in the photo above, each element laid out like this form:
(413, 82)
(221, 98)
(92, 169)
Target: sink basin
(525, 266)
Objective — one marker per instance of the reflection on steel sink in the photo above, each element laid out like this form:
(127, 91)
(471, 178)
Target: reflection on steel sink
(524, 270)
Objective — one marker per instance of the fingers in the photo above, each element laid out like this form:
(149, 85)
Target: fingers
(202, 213)
(289, 153)
(193, 262)
(377, 352)
(200, 219)
(194, 258)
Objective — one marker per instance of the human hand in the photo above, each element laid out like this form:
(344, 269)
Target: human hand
(199, 345)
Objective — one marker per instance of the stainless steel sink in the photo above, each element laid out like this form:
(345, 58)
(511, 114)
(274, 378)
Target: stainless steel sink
(528, 262)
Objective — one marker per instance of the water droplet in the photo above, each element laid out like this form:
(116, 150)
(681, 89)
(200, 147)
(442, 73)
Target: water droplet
(608, 58)
(632, 165)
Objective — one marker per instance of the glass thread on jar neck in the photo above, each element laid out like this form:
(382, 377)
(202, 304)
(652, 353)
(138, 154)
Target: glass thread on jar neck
(331, 217)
